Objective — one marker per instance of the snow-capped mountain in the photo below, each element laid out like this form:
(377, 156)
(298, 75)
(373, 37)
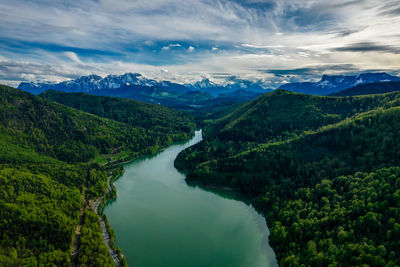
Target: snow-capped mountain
(135, 86)
(334, 83)
(205, 85)
(95, 83)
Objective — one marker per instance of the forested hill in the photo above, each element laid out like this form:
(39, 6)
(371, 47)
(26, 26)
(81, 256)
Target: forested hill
(325, 172)
(153, 117)
(48, 166)
(370, 88)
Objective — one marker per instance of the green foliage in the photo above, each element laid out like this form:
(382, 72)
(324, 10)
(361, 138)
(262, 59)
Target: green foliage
(92, 250)
(281, 115)
(46, 163)
(352, 220)
(325, 174)
(75, 136)
(161, 124)
(37, 216)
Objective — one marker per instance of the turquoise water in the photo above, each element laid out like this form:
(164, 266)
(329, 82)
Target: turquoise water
(159, 220)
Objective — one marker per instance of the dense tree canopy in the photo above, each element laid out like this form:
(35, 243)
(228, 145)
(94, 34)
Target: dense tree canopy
(323, 170)
(48, 169)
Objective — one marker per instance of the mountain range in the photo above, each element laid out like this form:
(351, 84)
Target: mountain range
(323, 170)
(370, 89)
(136, 86)
(334, 83)
(205, 85)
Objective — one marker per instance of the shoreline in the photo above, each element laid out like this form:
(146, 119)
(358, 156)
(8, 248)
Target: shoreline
(111, 193)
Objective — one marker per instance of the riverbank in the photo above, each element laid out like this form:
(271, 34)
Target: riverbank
(107, 237)
(160, 220)
(116, 169)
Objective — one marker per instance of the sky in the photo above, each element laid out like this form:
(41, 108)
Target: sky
(271, 42)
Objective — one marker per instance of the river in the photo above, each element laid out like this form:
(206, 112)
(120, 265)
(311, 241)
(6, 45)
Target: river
(160, 221)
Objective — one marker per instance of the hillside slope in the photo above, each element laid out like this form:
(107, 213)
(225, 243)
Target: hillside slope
(46, 176)
(334, 83)
(310, 164)
(158, 119)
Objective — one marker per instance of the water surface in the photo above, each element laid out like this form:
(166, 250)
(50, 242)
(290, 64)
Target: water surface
(159, 220)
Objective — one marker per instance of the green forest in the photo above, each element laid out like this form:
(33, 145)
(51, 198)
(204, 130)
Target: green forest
(324, 171)
(52, 164)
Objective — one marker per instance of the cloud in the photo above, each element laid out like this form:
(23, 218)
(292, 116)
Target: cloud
(14, 72)
(390, 8)
(262, 46)
(74, 57)
(369, 47)
(312, 70)
(168, 47)
(238, 37)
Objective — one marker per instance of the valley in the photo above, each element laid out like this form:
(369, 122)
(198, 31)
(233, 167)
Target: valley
(320, 171)
(229, 133)
(47, 153)
(157, 213)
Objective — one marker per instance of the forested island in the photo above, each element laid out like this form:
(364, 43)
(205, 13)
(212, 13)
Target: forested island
(54, 160)
(324, 171)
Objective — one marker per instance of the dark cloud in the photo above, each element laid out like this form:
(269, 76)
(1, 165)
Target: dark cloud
(368, 47)
(308, 74)
(347, 32)
(22, 71)
(15, 45)
(314, 73)
(258, 5)
(392, 12)
(391, 8)
(346, 4)
(311, 71)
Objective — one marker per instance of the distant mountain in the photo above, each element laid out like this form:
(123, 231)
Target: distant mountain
(128, 85)
(95, 84)
(214, 89)
(334, 83)
(370, 89)
(135, 86)
(237, 96)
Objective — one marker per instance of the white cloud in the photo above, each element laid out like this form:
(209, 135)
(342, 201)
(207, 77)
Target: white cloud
(73, 56)
(274, 39)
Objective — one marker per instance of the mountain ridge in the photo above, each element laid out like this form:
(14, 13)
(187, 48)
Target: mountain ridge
(370, 88)
(334, 83)
(311, 164)
(135, 86)
(50, 156)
